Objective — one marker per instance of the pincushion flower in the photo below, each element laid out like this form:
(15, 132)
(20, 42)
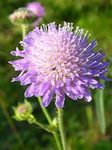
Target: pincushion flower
(36, 8)
(57, 61)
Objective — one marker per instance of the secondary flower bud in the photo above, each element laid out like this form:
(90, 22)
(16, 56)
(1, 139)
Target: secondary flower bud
(36, 8)
(23, 111)
(55, 122)
(22, 16)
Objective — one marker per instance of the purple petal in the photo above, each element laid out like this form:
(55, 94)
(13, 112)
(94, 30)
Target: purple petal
(47, 97)
(44, 86)
(31, 90)
(69, 93)
(87, 94)
(17, 53)
(60, 98)
(21, 64)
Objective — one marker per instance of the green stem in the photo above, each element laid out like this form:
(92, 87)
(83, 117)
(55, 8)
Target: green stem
(23, 31)
(61, 128)
(45, 112)
(100, 110)
(57, 140)
(89, 114)
(42, 126)
(50, 123)
(54, 133)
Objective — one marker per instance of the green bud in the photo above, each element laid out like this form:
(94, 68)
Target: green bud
(23, 111)
(54, 125)
(55, 122)
(22, 16)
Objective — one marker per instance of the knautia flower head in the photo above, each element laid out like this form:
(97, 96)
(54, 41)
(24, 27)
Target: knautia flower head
(23, 111)
(36, 8)
(57, 61)
(22, 16)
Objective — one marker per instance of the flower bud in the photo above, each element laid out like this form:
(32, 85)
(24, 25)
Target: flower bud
(23, 111)
(55, 122)
(36, 8)
(22, 16)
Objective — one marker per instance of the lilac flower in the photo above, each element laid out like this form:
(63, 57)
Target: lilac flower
(36, 8)
(56, 61)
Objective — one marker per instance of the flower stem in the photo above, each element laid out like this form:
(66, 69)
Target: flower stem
(55, 135)
(23, 30)
(45, 112)
(89, 115)
(42, 126)
(57, 140)
(61, 128)
(100, 110)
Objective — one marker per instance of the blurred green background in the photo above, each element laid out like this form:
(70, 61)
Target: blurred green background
(82, 127)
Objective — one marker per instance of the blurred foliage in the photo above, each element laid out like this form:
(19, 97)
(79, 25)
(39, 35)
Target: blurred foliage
(96, 17)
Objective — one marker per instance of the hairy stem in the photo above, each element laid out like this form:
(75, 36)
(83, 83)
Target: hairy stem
(89, 115)
(57, 141)
(61, 128)
(23, 31)
(55, 135)
(100, 110)
(42, 126)
(45, 112)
